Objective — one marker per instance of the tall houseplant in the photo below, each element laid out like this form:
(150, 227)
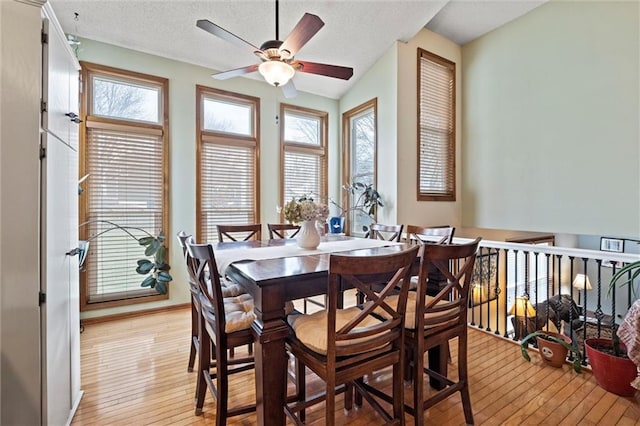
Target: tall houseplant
(610, 363)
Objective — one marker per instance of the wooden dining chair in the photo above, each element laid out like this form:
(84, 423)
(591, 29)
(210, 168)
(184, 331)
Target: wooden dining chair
(228, 288)
(239, 232)
(225, 323)
(342, 345)
(282, 230)
(432, 322)
(419, 234)
(195, 304)
(378, 231)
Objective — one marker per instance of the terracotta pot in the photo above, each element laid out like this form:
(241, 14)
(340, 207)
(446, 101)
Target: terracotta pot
(613, 374)
(553, 353)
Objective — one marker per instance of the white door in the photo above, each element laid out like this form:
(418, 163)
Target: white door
(57, 269)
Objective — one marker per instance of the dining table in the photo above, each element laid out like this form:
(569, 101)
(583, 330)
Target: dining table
(274, 272)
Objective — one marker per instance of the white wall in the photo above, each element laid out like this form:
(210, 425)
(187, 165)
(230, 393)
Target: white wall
(183, 78)
(20, 82)
(380, 82)
(411, 211)
(551, 125)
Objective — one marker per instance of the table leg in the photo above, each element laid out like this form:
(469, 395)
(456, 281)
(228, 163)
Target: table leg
(270, 364)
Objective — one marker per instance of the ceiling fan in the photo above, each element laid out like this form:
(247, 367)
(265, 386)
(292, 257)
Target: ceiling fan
(278, 64)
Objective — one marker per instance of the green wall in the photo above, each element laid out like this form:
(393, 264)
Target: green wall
(550, 117)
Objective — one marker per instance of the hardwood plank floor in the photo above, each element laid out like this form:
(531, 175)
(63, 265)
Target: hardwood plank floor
(134, 371)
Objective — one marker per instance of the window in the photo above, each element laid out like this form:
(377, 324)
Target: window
(436, 128)
(227, 161)
(528, 273)
(303, 135)
(359, 148)
(124, 152)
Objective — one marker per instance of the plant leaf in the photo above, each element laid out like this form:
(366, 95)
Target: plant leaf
(161, 287)
(163, 267)
(161, 254)
(148, 282)
(144, 268)
(164, 276)
(152, 248)
(143, 261)
(161, 238)
(145, 241)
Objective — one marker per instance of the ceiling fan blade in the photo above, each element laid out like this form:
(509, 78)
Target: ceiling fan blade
(306, 28)
(334, 71)
(289, 90)
(235, 73)
(218, 31)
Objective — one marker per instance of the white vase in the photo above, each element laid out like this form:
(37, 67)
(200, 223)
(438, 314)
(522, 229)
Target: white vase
(308, 237)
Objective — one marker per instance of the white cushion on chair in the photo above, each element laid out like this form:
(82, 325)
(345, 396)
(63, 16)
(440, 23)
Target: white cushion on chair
(239, 313)
(311, 329)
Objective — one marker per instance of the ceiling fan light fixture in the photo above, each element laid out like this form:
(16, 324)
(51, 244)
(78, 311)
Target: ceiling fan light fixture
(277, 73)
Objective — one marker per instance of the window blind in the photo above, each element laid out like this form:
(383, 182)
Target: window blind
(303, 174)
(436, 128)
(304, 160)
(227, 186)
(125, 187)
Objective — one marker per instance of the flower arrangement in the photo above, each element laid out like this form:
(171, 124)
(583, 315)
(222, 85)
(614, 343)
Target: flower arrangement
(305, 208)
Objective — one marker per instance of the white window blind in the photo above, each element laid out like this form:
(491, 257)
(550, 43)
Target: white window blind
(436, 109)
(304, 161)
(227, 190)
(227, 186)
(125, 187)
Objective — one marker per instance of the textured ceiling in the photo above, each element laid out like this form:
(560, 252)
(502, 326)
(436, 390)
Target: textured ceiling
(356, 32)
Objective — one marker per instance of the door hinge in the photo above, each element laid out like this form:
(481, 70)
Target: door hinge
(43, 152)
(42, 298)
(43, 106)
(44, 38)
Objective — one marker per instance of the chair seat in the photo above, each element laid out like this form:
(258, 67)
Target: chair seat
(311, 330)
(231, 289)
(410, 315)
(238, 311)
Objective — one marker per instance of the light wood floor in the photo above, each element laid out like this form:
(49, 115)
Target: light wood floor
(134, 372)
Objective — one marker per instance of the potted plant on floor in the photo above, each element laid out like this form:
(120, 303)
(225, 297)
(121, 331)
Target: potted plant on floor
(610, 362)
(553, 348)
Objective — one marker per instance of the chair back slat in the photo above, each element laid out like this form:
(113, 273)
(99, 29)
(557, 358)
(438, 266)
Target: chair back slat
(279, 230)
(416, 234)
(204, 272)
(360, 334)
(378, 231)
(449, 307)
(239, 232)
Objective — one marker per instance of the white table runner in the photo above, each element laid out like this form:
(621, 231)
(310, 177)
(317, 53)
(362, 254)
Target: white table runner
(226, 257)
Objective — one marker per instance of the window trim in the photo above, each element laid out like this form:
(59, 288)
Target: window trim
(451, 195)
(87, 69)
(346, 151)
(297, 147)
(229, 139)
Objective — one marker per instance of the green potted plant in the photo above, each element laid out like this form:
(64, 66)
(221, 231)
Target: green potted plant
(613, 369)
(553, 348)
(366, 204)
